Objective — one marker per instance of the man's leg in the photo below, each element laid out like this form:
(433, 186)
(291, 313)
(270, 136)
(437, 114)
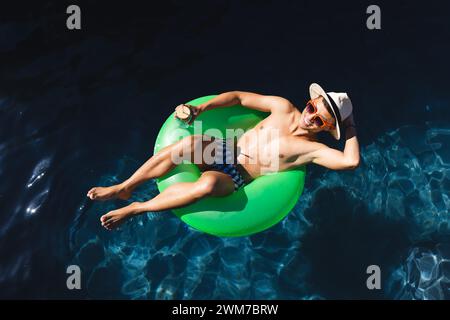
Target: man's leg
(157, 166)
(211, 183)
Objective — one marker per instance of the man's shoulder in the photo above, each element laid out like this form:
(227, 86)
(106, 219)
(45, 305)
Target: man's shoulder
(281, 105)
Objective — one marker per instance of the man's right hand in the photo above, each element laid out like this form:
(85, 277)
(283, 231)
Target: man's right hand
(186, 112)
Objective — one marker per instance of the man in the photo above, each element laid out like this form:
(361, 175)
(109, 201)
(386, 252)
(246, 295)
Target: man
(293, 145)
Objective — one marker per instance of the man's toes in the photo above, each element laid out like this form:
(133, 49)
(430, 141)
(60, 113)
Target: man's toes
(92, 193)
(109, 225)
(104, 218)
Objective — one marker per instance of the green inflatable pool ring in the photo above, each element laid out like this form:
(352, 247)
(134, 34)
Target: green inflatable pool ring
(251, 209)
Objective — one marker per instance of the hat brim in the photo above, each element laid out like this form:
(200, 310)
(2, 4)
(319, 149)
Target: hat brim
(314, 92)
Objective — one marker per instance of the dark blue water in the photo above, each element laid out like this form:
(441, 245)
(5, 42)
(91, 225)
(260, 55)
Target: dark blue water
(82, 108)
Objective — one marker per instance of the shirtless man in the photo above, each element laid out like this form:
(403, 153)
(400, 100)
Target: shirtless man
(295, 144)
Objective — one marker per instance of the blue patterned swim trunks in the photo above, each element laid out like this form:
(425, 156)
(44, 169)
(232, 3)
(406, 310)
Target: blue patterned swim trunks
(225, 161)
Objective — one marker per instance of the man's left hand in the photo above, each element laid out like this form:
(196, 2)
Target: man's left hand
(349, 121)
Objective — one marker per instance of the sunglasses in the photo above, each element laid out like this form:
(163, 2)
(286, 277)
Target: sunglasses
(317, 119)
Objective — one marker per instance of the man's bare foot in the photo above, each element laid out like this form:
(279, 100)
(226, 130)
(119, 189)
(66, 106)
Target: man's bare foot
(116, 217)
(105, 193)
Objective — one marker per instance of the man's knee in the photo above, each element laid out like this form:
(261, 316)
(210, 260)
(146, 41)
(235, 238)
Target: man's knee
(192, 140)
(192, 144)
(183, 149)
(206, 186)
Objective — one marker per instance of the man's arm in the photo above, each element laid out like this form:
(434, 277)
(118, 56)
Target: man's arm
(338, 160)
(249, 100)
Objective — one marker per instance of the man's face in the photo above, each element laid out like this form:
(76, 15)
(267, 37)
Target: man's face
(316, 117)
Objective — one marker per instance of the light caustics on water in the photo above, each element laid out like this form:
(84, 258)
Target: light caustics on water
(403, 182)
(425, 275)
(38, 173)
